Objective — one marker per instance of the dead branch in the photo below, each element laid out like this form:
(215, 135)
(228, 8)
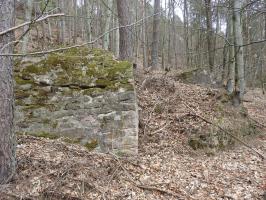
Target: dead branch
(259, 124)
(152, 188)
(159, 130)
(27, 23)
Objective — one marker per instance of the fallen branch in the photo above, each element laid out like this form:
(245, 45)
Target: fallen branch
(151, 188)
(260, 124)
(225, 131)
(157, 131)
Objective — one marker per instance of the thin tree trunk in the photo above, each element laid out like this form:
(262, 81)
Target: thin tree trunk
(28, 11)
(75, 22)
(7, 136)
(174, 34)
(62, 24)
(155, 35)
(240, 84)
(106, 39)
(145, 59)
(87, 11)
(164, 39)
(209, 34)
(231, 57)
(169, 57)
(117, 39)
(185, 16)
(125, 39)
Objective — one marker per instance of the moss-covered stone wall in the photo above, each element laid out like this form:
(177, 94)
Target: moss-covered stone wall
(82, 94)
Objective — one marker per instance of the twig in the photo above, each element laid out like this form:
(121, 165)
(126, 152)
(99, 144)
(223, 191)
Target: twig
(157, 131)
(260, 124)
(225, 131)
(109, 181)
(151, 188)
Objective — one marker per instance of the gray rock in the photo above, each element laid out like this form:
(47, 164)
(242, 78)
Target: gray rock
(25, 87)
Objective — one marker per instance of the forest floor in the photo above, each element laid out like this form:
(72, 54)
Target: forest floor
(165, 168)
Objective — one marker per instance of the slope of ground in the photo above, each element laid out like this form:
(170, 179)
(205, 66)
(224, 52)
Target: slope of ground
(166, 167)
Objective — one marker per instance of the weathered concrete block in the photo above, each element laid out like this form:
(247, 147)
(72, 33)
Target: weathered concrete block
(81, 94)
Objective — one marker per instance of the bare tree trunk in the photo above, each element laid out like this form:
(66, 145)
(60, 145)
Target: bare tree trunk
(144, 31)
(231, 57)
(164, 39)
(185, 16)
(137, 31)
(240, 84)
(28, 11)
(106, 39)
(125, 39)
(75, 21)
(87, 11)
(117, 39)
(209, 33)
(155, 35)
(169, 57)
(62, 23)
(174, 34)
(7, 136)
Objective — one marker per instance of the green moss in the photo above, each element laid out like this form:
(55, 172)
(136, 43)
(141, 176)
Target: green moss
(21, 81)
(54, 124)
(46, 121)
(196, 143)
(103, 83)
(41, 135)
(32, 107)
(158, 109)
(71, 140)
(19, 94)
(19, 102)
(91, 145)
(93, 91)
(46, 135)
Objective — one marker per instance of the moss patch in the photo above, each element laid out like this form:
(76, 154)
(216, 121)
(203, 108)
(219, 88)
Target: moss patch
(41, 135)
(91, 145)
(81, 67)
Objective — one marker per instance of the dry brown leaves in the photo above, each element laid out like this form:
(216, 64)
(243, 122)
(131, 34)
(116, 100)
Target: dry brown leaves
(166, 168)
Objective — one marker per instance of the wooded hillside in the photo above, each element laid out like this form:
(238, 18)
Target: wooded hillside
(132, 99)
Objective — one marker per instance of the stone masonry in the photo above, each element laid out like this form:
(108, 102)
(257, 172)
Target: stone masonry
(83, 95)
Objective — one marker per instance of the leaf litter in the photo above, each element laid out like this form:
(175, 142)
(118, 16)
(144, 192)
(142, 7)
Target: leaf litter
(165, 168)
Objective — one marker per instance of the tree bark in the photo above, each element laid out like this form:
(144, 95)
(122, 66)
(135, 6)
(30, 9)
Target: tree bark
(87, 12)
(125, 39)
(106, 39)
(155, 35)
(28, 12)
(185, 16)
(240, 84)
(62, 23)
(7, 136)
(209, 34)
(231, 57)
(144, 31)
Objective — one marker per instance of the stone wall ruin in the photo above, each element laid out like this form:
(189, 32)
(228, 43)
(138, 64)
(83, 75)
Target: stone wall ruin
(84, 95)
